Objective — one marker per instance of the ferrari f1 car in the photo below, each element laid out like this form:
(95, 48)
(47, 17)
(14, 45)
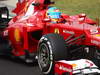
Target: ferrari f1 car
(41, 31)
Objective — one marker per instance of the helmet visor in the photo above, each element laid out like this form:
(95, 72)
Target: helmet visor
(55, 15)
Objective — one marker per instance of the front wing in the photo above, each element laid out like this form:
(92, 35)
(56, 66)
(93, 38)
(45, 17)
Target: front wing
(76, 67)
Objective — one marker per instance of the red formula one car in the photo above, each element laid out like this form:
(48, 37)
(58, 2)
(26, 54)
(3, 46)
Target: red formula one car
(56, 38)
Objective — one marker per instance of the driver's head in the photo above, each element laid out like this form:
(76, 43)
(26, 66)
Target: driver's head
(53, 13)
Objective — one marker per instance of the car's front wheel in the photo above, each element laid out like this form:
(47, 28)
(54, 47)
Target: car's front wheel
(51, 48)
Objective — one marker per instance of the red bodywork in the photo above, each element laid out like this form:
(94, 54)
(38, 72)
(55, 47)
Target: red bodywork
(63, 69)
(24, 32)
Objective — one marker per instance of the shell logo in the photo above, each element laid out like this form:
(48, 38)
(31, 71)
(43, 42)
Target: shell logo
(17, 35)
(56, 31)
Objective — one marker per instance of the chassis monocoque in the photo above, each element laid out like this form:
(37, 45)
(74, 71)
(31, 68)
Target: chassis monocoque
(29, 33)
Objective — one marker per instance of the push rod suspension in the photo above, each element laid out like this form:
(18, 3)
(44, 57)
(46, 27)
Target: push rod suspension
(81, 36)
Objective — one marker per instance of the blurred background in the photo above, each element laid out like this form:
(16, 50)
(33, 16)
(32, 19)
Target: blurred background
(8, 2)
(11, 4)
(71, 7)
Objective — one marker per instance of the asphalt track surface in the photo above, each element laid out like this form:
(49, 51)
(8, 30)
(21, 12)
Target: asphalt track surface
(9, 66)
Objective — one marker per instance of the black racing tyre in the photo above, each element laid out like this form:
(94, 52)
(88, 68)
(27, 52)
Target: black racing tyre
(51, 48)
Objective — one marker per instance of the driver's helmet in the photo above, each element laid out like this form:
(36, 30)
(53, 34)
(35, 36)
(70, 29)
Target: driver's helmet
(53, 13)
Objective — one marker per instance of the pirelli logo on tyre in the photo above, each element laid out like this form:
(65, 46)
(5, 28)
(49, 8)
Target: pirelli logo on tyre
(56, 30)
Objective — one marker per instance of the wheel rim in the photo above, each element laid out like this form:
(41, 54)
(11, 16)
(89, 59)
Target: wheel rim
(44, 59)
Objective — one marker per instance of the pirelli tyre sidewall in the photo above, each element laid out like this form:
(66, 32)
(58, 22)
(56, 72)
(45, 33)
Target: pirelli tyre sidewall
(51, 48)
